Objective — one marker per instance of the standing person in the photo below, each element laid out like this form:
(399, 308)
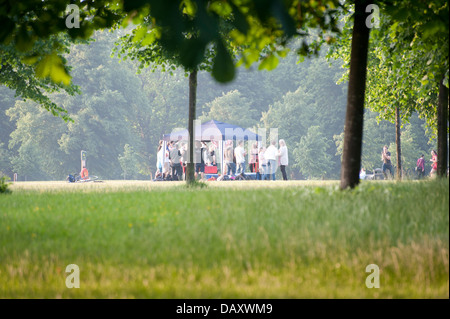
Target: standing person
(283, 155)
(184, 159)
(229, 162)
(239, 152)
(211, 155)
(420, 167)
(262, 164)
(387, 165)
(175, 156)
(253, 162)
(433, 164)
(166, 162)
(271, 155)
(362, 173)
(199, 159)
(159, 159)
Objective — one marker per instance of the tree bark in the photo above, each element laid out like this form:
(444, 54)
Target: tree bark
(398, 143)
(442, 121)
(190, 168)
(353, 131)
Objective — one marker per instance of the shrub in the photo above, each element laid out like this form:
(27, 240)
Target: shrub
(4, 185)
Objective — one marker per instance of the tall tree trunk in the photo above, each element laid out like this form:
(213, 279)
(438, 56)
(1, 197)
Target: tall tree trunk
(398, 143)
(353, 131)
(442, 113)
(190, 168)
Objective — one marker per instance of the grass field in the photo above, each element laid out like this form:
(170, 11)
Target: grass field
(245, 239)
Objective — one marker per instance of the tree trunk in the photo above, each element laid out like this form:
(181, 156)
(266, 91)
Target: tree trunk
(190, 168)
(442, 113)
(353, 131)
(398, 143)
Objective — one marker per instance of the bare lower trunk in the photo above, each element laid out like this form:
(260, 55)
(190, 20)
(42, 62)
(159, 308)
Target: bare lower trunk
(398, 143)
(353, 131)
(190, 169)
(442, 130)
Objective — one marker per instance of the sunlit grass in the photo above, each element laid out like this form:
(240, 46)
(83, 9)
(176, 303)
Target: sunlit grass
(142, 239)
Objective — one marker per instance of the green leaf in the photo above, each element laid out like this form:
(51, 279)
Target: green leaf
(139, 34)
(23, 40)
(51, 66)
(223, 66)
(32, 59)
(432, 27)
(6, 29)
(149, 38)
(192, 53)
(283, 53)
(240, 22)
(269, 63)
(282, 15)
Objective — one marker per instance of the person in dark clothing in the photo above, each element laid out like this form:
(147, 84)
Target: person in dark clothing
(175, 155)
(420, 167)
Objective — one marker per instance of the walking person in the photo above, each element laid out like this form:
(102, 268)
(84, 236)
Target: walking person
(199, 160)
(175, 156)
(211, 155)
(159, 160)
(253, 162)
(283, 158)
(420, 167)
(240, 153)
(262, 173)
(387, 165)
(434, 163)
(229, 162)
(271, 155)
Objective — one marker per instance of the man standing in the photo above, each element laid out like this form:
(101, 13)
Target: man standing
(420, 167)
(271, 155)
(283, 154)
(175, 162)
(387, 165)
(199, 159)
(229, 160)
(239, 152)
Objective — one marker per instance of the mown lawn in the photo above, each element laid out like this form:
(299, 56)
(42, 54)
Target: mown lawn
(228, 240)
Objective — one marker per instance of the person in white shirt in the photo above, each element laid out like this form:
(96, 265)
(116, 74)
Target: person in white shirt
(262, 164)
(271, 155)
(239, 153)
(160, 159)
(283, 154)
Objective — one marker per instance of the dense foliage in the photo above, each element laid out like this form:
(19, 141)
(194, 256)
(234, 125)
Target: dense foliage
(120, 117)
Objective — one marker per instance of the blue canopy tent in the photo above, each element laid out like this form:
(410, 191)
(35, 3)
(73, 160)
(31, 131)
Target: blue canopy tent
(214, 131)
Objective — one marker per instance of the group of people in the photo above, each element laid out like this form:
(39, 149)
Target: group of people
(171, 160)
(262, 161)
(420, 165)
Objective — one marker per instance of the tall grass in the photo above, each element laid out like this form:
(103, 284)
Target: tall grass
(225, 242)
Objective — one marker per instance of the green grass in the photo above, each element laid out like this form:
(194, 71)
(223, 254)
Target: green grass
(228, 240)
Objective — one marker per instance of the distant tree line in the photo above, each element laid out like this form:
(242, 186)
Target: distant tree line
(121, 115)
